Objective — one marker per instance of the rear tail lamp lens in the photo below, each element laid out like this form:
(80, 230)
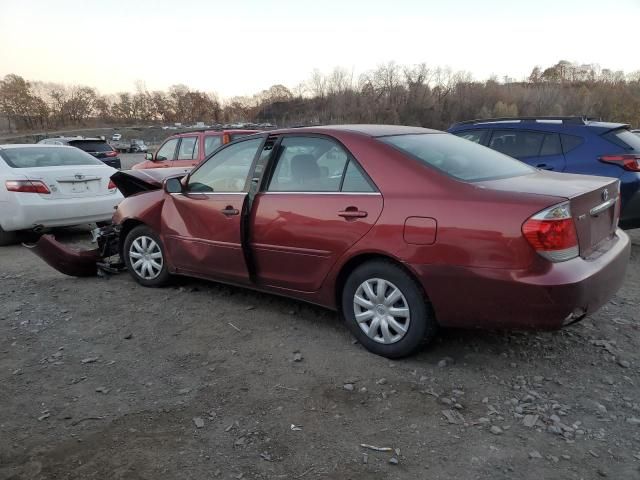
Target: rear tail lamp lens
(27, 186)
(628, 161)
(226, 138)
(111, 186)
(112, 153)
(552, 233)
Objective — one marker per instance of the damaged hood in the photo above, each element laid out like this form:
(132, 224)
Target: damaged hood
(130, 182)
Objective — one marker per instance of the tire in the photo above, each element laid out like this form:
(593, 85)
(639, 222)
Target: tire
(144, 241)
(7, 238)
(414, 322)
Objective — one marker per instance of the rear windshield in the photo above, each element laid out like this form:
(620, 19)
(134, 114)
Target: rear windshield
(29, 157)
(624, 138)
(458, 157)
(91, 145)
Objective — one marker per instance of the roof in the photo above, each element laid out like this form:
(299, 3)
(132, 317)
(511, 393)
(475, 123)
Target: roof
(8, 146)
(540, 123)
(371, 130)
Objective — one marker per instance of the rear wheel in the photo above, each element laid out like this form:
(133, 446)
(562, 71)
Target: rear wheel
(144, 256)
(7, 238)
(386, 310)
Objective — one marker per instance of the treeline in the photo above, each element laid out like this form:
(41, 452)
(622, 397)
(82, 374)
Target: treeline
(392, 93)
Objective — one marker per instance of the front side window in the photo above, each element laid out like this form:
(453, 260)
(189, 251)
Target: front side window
(517, 143)
(308, 164)
(168, 150)
(227, 170)
(187, 147)
(456, 157)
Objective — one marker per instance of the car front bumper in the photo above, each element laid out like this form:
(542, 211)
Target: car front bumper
(545, 299)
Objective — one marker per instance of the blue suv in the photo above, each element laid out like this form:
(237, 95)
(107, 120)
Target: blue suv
(567, 144)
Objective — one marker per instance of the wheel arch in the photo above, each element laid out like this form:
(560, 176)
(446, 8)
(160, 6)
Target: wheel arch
(357, 260)
(125, 227)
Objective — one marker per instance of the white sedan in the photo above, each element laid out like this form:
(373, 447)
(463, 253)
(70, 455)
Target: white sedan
(52, 186)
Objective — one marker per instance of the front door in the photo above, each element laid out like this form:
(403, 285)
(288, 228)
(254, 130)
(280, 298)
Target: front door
(317, 203)
(202, 225)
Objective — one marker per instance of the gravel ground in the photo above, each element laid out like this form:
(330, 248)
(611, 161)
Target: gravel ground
(101, 378)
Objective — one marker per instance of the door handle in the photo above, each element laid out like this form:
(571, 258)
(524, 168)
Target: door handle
(352, 212)
(230, 211)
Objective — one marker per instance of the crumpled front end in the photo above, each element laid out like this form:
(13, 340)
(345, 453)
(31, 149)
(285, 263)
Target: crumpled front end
(82, 263)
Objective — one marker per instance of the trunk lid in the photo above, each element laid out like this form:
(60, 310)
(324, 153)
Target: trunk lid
(594, 201)
(73, 181)
(131, 182)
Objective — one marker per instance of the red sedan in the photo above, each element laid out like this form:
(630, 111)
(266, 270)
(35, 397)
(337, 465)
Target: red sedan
(401, 229)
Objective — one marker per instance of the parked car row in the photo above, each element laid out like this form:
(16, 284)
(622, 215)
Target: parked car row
(385, 224)
(187, 150)
(567, 144)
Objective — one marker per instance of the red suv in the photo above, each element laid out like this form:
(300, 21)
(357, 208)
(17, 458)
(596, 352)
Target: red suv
(190, 148)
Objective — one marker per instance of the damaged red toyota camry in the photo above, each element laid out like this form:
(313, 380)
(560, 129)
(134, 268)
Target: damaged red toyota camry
(401, 229)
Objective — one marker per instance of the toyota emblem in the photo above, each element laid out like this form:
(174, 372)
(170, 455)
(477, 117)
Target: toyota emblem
(79, 176)
(605, 195)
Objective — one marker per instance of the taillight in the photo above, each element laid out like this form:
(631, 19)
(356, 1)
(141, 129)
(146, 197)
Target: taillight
(111, 186)
(628, 161)
(226, 138)
(112, 153)
(27, 186)
(552, 233)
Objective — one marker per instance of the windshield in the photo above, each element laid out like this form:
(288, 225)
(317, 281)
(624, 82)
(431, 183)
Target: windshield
(29, 157)
(457, 157)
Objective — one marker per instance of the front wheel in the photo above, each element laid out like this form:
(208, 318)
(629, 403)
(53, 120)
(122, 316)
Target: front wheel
(144, 256)
(386, 310)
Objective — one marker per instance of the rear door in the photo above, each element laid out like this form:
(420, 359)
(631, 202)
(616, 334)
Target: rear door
(188, 152)
(316, 203)
(539, 149)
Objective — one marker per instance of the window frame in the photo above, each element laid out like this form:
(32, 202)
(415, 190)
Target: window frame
(485, 135)
(180, 147)
(272, 163)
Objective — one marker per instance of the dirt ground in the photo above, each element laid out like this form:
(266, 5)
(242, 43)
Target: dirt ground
(103, 379)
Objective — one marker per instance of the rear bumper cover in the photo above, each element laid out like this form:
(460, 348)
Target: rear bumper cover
(499, 298)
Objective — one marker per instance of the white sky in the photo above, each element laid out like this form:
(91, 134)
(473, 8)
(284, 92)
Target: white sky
(238, 47)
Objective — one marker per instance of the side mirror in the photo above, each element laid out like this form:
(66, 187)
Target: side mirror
(173, 185)
(149, 156)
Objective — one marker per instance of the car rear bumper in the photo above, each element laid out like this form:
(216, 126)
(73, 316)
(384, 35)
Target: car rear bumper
(545, 299)
(30, 211)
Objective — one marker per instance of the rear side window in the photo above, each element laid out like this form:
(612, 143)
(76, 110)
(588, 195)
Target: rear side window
(211, 143)
(570, 142)
(354, 180)
(457, 157)
(477, 136)
(30, 157)
(309, 164)
(91, 145)
(187, 146)
(551, 145)
(624, 138)
(517, 143)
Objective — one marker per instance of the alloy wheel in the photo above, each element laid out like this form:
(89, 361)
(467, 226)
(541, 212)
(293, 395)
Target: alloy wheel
(381, 310)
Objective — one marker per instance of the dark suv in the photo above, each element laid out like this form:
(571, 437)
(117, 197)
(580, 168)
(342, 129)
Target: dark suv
(97, 147)
(567, 144)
